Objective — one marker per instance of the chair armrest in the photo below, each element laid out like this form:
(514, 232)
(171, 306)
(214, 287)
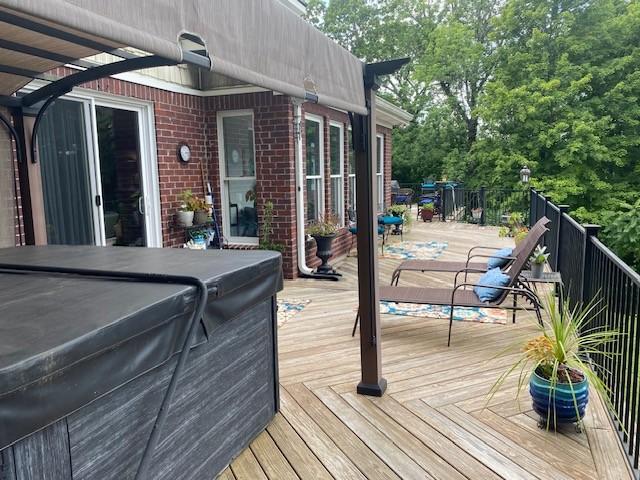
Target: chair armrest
(482, 247)
(465, 271)
(520, 291)
(479, 255)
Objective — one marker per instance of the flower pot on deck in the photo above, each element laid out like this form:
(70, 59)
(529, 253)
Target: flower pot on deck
(324, 251)
(426, 214)
(556, 404)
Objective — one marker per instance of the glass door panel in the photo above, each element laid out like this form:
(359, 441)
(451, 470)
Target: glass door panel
(65, 170)
(239, 177)
(120, 176)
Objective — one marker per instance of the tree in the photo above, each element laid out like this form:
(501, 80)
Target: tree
(460, 57)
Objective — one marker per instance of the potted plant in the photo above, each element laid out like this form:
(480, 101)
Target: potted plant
(520, 235)
(201, 210)
(185, 214)
(556, 366)
(476, 214)
(538, 259)
(426, 212)
(401, 211)
(324, 230)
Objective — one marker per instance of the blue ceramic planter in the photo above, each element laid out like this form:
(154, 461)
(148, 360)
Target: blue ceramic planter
(563, 408)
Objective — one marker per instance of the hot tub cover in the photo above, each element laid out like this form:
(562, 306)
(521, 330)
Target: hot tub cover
(66, 341)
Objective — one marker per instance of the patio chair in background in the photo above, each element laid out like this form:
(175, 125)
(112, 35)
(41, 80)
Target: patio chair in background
(533, 238)
(464, 295)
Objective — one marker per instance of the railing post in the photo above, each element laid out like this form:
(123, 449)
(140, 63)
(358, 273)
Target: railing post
(482, 205)
(532, 207)
(563, 209)
(443, 204)
(587, 270)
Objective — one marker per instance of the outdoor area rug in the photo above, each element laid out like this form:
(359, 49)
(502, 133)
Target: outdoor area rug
(415, 250)
(289, 307)
(464, 314)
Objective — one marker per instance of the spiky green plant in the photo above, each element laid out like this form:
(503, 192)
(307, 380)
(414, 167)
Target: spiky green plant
(565, 342)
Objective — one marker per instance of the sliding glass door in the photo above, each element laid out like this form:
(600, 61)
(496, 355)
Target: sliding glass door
(97, 183)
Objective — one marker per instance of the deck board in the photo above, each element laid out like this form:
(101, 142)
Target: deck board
(435, 420)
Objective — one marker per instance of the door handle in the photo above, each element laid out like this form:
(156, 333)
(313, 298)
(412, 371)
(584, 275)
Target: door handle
(141, 205)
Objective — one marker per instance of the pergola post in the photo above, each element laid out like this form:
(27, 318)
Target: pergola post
(364, 133)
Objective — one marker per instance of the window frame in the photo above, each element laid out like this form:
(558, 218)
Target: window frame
(380, 175)
(226, 221)
(320, 179)
(351, 176)
(332, 176)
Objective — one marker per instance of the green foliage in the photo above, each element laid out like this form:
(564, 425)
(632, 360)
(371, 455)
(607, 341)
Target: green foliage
(325, 226)
(564, 342)
(404, 211)
(190, 202)
(496, 84)
(622, 233)
(540, 255)
(266, 230)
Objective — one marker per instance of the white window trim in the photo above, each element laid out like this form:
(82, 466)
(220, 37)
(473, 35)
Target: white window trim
(352, 191)
(320, 121)
(224, 197)
(380, 176)
(340, 175)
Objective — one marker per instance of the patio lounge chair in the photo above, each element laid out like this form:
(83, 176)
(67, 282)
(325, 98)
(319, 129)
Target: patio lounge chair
(534, 235)
(463, 295)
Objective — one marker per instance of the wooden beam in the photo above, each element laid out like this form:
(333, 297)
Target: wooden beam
(364, 131)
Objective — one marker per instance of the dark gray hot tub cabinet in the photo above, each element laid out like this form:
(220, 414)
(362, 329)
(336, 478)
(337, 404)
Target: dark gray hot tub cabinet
(84, 363)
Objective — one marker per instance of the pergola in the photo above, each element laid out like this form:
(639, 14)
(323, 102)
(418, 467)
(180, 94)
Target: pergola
(258, 42)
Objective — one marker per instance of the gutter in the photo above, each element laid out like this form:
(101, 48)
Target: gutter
(304, 270)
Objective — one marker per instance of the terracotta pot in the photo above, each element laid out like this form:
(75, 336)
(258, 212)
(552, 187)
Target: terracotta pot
(426, 214)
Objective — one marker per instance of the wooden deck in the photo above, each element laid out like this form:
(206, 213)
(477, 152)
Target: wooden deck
(434, 421)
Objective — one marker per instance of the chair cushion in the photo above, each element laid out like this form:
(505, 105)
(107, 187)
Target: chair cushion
(354, 230)
(390, 220)
(497, 262)
(491, 278)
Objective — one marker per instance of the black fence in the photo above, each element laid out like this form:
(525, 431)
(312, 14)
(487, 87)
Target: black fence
(485, 206)
(592, 272)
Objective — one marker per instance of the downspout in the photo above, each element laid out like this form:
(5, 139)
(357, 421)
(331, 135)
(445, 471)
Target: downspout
(299, 169)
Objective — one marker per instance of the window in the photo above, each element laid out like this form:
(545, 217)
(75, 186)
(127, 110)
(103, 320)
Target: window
(352, 173)
(336, 154)
(238, 176)
(315, 167)
(380, 171)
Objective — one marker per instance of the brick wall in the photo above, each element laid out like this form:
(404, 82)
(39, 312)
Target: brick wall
(274, 152)
(193, 119)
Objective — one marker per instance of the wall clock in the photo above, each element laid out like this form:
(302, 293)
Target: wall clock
(184, 152)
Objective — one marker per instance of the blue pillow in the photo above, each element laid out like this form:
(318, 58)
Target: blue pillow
(493, 277)
(496, 262)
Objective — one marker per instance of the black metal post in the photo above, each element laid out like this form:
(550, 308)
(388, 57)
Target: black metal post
(563, 209)
(533, 200)
(443, 204)
(587, 269)
(482, 205)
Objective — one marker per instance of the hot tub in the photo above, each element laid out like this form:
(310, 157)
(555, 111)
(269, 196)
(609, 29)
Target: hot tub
(85, 362)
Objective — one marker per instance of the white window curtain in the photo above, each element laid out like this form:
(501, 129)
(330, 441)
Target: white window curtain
(315, 167)
(336, 157)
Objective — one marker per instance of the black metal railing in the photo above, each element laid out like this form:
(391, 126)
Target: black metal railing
(591, 272)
